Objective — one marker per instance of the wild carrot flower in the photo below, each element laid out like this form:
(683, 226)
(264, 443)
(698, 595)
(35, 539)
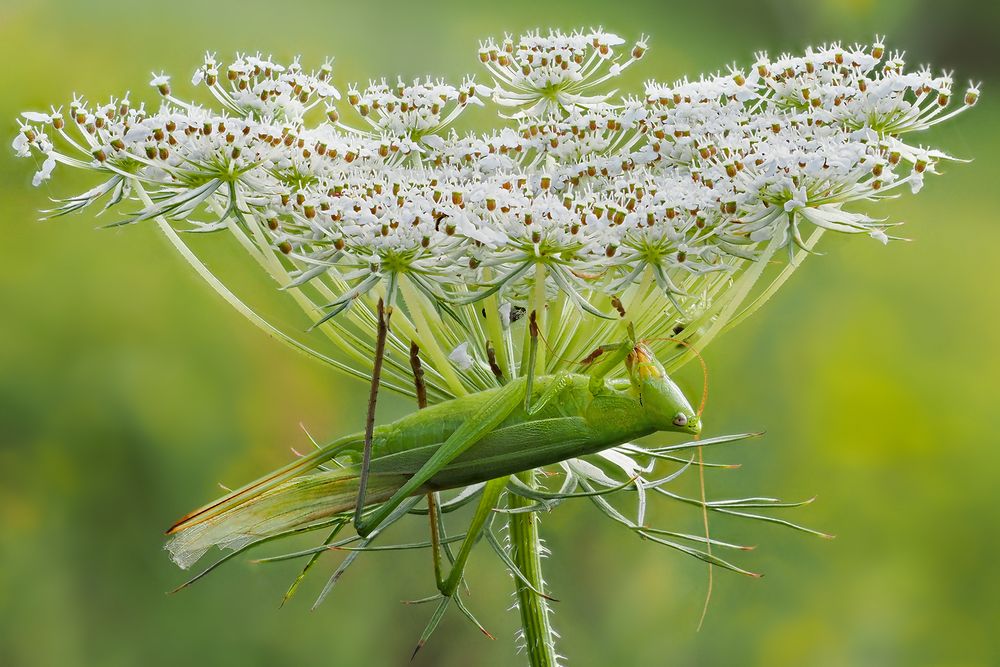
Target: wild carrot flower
(661, 210)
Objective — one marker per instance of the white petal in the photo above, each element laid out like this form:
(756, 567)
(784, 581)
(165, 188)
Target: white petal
(45, 172)
(37, 117)
(461, 358)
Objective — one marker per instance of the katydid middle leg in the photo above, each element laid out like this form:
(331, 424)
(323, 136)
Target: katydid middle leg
(494, 488)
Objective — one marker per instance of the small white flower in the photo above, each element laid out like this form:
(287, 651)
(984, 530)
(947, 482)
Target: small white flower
(461, 358)
(161, 82)
(21, 145)
(505, 314)
(799, 199)
(45, 172)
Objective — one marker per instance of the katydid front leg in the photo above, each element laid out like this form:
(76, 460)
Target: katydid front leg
(366, 457)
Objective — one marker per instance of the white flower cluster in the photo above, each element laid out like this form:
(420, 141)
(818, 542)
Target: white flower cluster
(655, 200)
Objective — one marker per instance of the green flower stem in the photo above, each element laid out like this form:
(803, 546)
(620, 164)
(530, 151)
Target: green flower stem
(236, 303)
(428, 340)
(525, 543)
(526, 552)
(713, 320)
(785, 274)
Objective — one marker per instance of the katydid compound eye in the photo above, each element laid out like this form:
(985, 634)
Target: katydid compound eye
(681, 419)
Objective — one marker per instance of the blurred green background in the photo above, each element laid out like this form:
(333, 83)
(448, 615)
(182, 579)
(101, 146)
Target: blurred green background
(128, 389)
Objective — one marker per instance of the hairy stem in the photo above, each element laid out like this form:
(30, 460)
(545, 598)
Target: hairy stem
(525, 542)
(526, 552)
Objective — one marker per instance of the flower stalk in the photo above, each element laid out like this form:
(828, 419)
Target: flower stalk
(526, 550)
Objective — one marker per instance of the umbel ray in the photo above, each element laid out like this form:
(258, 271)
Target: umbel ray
(623, 233)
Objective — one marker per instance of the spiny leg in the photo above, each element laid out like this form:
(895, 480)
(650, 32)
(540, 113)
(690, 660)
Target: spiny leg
(487, 503)
(449, 587)
(383, 331)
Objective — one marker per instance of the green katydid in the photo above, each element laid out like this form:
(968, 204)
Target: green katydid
(483, 437)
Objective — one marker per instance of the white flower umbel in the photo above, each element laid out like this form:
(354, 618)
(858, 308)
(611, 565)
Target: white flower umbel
(677, 211)
(646, 208)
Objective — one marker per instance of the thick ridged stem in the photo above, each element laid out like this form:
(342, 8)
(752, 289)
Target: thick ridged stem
(526, 552)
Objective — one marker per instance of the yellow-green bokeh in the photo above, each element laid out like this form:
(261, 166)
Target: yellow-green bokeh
(128, 389)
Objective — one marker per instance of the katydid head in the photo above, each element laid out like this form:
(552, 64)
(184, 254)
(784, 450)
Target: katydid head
(660, 396)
